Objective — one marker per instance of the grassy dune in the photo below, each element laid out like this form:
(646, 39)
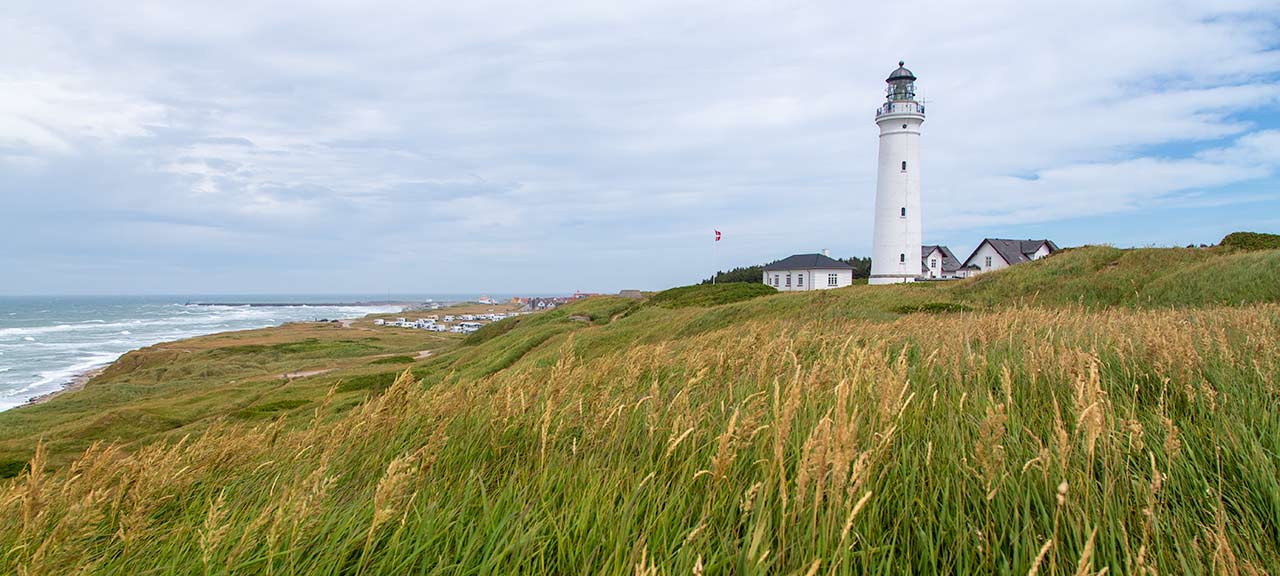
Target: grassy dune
(1100, 409)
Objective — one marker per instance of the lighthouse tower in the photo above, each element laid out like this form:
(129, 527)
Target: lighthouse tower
(895, 246)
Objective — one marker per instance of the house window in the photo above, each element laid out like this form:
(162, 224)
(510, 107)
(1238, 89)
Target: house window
(800, 280)
(933, 262)
(988, 261)
(833, 279)
(904, 165)
(902, 258)
(788, 280)
(775, 281)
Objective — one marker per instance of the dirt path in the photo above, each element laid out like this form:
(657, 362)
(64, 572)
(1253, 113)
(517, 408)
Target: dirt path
(424, 354)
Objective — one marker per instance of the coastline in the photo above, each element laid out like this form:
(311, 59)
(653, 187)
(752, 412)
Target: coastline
(77, 383)
(60, 348)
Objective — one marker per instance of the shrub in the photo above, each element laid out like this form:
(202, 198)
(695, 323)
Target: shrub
(1251, 241)
(394, 360)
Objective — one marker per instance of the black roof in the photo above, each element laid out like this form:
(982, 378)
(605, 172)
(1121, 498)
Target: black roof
(1014, 251)
(949, 261)
(901, 73)
(807, 262)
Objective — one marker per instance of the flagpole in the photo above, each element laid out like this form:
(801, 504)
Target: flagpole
(715, 260)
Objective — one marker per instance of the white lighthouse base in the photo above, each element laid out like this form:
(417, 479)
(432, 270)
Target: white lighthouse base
(881, 280)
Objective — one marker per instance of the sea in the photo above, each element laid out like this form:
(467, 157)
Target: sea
(45, 342)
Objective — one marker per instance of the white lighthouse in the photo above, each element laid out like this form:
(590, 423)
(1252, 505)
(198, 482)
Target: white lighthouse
(895, 246)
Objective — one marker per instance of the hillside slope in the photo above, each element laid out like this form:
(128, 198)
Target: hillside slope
(1099, 408)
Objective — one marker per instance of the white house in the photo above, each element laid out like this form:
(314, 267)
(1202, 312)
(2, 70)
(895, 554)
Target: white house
(808, 272)
(939, 263)
(996, 253)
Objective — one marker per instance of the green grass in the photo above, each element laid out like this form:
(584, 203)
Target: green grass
(270, 408)
(859, 430)
(709, 294)
(181, 388)
(393, 360)
(372, 382)
(931, 308)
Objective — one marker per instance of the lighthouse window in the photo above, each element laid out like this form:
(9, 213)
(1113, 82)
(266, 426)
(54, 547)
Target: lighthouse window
(904, 165)
(902, 257)
(904, 211)
(904, 126)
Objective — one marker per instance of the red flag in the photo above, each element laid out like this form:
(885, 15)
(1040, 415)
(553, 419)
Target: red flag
(717, 235)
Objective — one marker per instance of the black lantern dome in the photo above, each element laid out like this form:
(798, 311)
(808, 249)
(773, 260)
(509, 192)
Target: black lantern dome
(901, 83)
(901, 73)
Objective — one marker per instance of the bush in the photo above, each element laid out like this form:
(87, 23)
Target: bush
(1251, 241)
(394, 360)
(709, 295)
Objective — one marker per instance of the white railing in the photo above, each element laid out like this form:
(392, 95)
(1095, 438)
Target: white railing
(907, 107)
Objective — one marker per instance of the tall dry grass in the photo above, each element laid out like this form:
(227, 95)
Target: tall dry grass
(1027, 441)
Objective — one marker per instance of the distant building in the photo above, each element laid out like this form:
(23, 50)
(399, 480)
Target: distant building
(808, 272)
(996, 253)
(938, 263)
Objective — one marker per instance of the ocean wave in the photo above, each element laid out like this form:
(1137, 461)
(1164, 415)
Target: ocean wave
(51, 380)
(27, 331)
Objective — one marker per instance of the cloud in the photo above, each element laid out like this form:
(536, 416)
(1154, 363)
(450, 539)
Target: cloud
(521, 143)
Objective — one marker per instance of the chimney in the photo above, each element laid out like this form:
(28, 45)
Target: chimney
(826, 252)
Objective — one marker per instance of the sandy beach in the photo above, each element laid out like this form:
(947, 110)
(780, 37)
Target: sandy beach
(76, 384)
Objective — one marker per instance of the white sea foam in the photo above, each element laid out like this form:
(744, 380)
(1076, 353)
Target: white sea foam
(51, 380)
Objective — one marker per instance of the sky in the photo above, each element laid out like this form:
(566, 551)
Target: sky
(163, 147)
